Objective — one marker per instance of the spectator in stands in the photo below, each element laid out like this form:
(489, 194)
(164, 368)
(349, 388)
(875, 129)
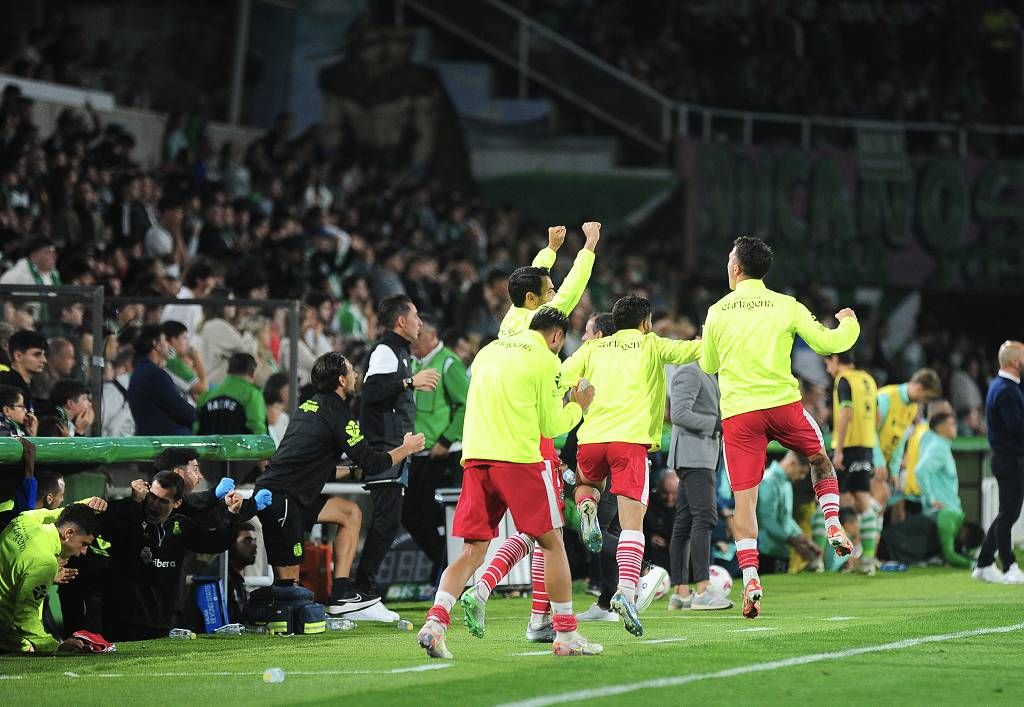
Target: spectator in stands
(440, 414)
(241, 555)
(15, 418)
(148, 541)
(184, 366)
(32, 549)
(275, 397)
(38, 267)
(386, 415)
(659, 518)
(778, 532)
(260, 329)
(355, 315)
(157, 407)
(60, 363)
(164, 239)
(236, 405)
(28, 358)
(116, 412)
(73, 407)
(128, 218)
(200, 279)
(484, 305)
(312, 344)
(219, 338)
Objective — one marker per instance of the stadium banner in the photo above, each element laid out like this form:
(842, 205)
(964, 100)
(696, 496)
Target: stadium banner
(858, 217)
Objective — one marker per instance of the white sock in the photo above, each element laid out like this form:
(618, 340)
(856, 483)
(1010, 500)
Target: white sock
(444, 599)
(749, 573)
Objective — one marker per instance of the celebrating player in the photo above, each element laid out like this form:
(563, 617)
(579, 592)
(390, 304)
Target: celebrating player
(622, 426)
(748, 341)
(513, 400)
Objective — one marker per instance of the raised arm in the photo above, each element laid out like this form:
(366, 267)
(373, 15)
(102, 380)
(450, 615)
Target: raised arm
(575, 283)
(821, 339)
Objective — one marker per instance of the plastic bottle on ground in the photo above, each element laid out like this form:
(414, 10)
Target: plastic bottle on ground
(273, 675)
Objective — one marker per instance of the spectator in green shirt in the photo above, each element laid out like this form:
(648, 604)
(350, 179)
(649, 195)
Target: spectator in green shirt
(235, 405)
(940, 487)
(778, 531)
(352, 314)
(184, 367)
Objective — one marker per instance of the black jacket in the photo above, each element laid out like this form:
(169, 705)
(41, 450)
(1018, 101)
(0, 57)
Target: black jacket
(145, 567)
(388, 409)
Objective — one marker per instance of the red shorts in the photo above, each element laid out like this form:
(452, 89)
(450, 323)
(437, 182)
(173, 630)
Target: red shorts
(554, 462)
(745, 440)
(490, 488)
(625, 462)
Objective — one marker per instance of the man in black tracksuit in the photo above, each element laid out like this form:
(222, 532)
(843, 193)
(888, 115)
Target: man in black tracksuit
(387, 414)
(148, 541)
(319, 433)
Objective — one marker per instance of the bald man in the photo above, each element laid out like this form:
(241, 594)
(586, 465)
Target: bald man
(1004, 417)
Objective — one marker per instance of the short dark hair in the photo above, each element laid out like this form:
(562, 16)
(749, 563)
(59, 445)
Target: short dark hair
(525, 280)
(174, 458)
(244, 527)
(173, 329)
(604, 323)
(9, 396)
(272, 388)
(938, 419)
(549, 319)
(754, 256)
(171, 481)
(146, 339)
(241, 364)
(81, 517)
(327, 369)
(350, 282)
(630, 312)
(846, 357)
(451, 337)
(200, 269)
(47, 482)
(38, 243)
(24, 340)
(390, 309)
(67, 389)
(430, 320)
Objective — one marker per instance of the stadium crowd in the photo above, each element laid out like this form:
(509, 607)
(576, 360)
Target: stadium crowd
(283, 218)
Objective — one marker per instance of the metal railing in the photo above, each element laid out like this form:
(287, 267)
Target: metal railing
(539, 54)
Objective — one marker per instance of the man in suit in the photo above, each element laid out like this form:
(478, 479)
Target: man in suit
(693, 453)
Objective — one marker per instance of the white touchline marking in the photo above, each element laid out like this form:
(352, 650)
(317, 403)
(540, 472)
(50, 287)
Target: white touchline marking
(70, 674)
(610, 690)
(534, 653)
(755, 629)
(414, 669)
(840, 618)
(666, 640)
(11, 677)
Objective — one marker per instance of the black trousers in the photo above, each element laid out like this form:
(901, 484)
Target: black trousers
(608, 517)
(385, 522)
(695, 519)
(421, 514)
(1009, 473)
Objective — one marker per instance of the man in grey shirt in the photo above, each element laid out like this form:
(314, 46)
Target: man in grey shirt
(693, 453)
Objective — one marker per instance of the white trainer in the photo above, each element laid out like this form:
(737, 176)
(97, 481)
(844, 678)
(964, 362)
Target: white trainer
(990, 573)
(651, 586)
(377, 612)
(1013, 575)
(596, 613)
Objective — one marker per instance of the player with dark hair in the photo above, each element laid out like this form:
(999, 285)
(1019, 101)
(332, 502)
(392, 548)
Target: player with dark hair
(748, 341)
(513, 399)
(621, 428)
(321, 430)
(28, 358)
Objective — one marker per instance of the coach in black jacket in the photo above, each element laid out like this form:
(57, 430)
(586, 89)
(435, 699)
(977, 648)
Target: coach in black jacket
(387, 413)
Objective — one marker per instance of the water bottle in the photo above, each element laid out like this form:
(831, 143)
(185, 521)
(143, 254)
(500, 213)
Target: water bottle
(273, 675)
(337, 623)
(403, 625)
(181, 633)
(569, 477)
(893, 566)
(256, 629)
(230, 630)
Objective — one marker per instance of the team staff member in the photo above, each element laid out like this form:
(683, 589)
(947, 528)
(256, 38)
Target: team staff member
(387, 414)
(898, 406)
(622, 426)
(854, 413)
(31, 550)
(319, 433)
(748, 341)
(440, 414)
(514, 398)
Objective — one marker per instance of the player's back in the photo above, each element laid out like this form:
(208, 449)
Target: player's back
(863, 403)
(502, 414)
(748, 341)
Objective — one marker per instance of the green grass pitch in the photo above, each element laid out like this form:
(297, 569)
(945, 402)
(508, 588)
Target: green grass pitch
(803, 615)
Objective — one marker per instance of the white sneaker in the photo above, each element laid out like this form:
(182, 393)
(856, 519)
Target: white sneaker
(596, 613)
(989, 573)
(677, 603)
(655, 581)
(377, 612)
(1013, 575)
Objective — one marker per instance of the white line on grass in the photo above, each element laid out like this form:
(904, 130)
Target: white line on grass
(755, 629)
(840, 618)
(414, 669)
(534, 653)
(610, 690)
(666, 640)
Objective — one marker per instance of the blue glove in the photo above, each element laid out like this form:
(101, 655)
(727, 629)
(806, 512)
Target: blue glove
(263, 499)
(226, 486)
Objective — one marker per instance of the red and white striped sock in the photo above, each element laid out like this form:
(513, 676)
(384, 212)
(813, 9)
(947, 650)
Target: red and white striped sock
(827, 492)
(541, 605)
(629, 554)
(511, 552)
(746, 556)
(441, 610)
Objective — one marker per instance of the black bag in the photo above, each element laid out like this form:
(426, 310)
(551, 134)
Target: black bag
(285, 610)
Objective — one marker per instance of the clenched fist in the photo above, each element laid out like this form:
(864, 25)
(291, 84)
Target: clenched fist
(592, 230)
(844, 313)
(556, 237)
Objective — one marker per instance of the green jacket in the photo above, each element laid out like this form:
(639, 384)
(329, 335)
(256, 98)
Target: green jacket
(775, 513)
(226, 418)
(29, 549)
(936, 475)
(441, 412)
